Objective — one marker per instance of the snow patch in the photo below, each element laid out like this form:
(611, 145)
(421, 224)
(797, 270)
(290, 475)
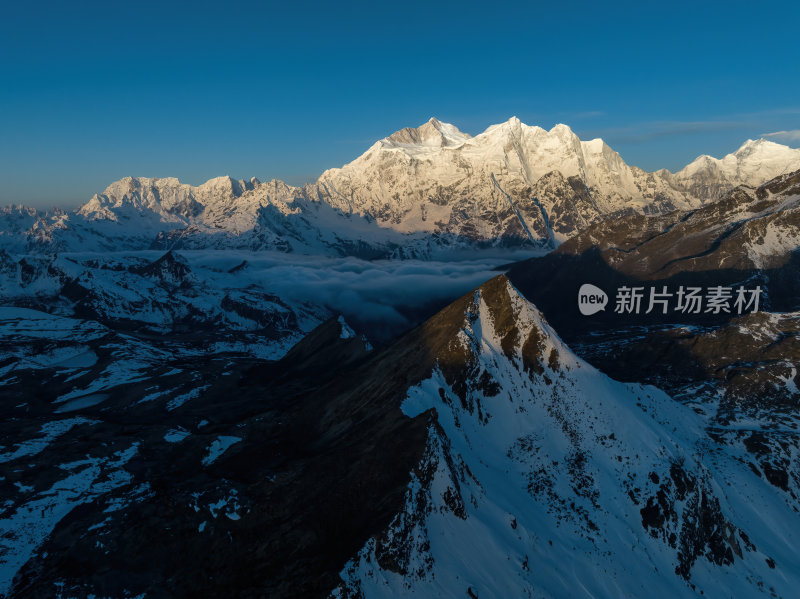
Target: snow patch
(219, 446)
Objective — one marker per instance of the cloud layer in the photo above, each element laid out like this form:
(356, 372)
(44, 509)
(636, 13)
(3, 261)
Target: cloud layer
(379, 298)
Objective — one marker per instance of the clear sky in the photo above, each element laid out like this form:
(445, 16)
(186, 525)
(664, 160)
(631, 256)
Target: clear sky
(94, 91)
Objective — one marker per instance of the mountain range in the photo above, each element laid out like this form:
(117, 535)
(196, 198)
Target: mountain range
(417, 193)
(216, 391)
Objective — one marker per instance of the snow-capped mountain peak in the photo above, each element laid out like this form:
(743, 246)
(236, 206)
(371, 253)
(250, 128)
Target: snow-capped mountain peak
(562, 130)
(540, 473)
(433, 133)
(755, 162)
(166, 197)
(759, 146)
(226, 185)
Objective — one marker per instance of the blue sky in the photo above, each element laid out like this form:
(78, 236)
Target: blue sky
(91, 92)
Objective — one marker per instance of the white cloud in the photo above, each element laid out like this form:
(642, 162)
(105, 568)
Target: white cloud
(382, 298)
(785, 136)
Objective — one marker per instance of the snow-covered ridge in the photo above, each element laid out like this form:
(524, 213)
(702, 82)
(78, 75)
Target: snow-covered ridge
(167, 197)
(542, 477)
(754, 163)
(412, 193)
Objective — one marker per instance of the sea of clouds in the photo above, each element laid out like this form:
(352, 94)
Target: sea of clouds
(381, 298)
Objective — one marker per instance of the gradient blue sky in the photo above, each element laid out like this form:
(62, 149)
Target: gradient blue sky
(94, 91)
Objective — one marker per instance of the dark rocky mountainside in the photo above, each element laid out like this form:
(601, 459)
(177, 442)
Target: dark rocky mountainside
(261, 483)
(348, 470)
